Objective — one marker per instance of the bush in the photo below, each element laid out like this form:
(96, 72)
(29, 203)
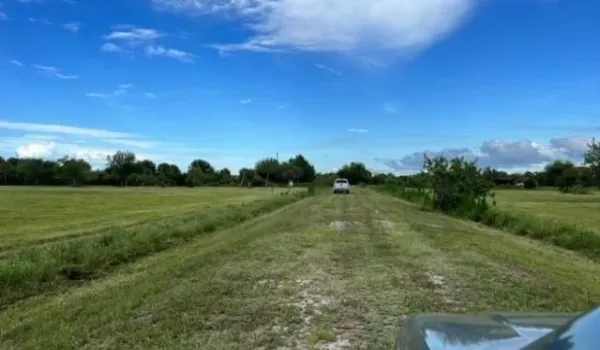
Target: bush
(458, 188)
(530, 183)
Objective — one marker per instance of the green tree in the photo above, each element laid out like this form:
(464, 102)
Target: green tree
(268, 169)
(592, 159)
(355, 172)
(6, 168)
(169, 174)
(30, 170)
(121, 165)
(305, 171)
(73, 170)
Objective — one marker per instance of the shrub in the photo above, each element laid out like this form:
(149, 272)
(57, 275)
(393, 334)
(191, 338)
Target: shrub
(458, 186)
(529, 183)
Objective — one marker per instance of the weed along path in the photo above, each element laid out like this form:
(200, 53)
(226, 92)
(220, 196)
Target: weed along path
(327, 272)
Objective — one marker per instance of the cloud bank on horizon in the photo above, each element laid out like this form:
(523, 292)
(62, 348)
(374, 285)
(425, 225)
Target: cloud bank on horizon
(233, 81)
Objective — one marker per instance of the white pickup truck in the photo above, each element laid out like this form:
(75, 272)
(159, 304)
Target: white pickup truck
(341, 186)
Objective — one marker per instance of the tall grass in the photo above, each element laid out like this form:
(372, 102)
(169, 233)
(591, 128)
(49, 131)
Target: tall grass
(37, 269)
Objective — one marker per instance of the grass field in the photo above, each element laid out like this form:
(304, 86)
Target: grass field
(42, 213)
(550, 204)
(325, 272)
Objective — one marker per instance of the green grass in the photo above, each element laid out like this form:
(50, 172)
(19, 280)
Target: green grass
(298, 278)
(28, 271)
(550, 204)
(45, 213)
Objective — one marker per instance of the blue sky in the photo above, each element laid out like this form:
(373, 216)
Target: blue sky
(514, 83)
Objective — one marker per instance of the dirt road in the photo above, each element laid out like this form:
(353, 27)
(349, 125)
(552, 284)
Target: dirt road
(328, 272)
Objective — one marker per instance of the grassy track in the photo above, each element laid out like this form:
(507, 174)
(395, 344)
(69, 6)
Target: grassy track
(337, 271)
(44, 213)
(550, 204)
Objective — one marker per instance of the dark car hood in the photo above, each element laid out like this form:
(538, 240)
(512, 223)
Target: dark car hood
(498, 331)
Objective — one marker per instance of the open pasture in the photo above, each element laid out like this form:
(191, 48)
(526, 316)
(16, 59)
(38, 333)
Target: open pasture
(550, 204)
(42, 213)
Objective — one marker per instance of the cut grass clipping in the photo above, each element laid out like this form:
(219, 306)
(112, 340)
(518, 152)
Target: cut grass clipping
(34, 270)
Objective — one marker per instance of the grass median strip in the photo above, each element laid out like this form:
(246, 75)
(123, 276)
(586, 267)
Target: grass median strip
(38, 269)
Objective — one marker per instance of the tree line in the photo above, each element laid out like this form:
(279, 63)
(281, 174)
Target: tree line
(123, 168)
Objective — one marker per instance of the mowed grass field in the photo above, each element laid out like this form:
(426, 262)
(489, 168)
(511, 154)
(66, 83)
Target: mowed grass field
(550, 204)
(43, 213)
(324, 272)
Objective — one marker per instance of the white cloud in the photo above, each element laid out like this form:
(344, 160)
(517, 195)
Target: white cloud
(62, 129)
(390, 107)
(17, 63)
(72, 26)
(40, 20)
(110, 47)
(358, 130)
(97, 95)
(328, 69)
(3, 16)
(281, 106)
(134, 34)
(394, 26)
(132, 143)
(149, 96)
(36, 150)
(53, 72)
(246, 101)
(158, 50)
(120, 90)
(522, 154)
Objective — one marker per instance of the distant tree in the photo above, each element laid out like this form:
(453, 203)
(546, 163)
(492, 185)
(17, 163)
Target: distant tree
(73, 170)
(168, 174)
(555, 172)
(121, 165)
(268, 169)
(6, 169)
(247, 176)
(355, 172)
(592, 159)
(203, 165)
(305, 171)
(529, 183)
(30, 170)
(224, 176)
(146, 167)
(567, 179)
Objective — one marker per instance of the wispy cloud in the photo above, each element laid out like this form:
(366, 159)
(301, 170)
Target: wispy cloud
(351, 26)
(119, 90)
(110, 47)
(246, 101)
(40, 20)
(328, 69)
(17, 63)
(358, 130)
(390, 107)
(168, 52)
(281, 106)
(72, 26)
(3, 16)
(134, 34)
(149, 96)
(97, 95)
(53, 72)
(131, 39)
(62, 129)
